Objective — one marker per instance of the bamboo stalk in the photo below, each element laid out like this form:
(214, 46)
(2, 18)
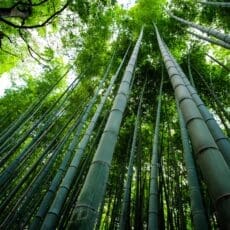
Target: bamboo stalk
(153, 195)
(92, 193)
(209, 31)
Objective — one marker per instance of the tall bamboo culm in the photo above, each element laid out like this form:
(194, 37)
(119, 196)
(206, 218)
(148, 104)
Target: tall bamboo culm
(93, 191)
(215, 42)
(66, 173)
(127, 186)
(216, 4)
(198, 211)
(219, 35)
(153, 195)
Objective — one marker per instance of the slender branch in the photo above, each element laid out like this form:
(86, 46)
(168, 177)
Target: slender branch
(210, 31)
(5, 51)
(218, 62)
(32, 51)
(2, 35)
(189, 70)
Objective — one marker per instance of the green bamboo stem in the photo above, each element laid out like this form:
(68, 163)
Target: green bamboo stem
(198, 211)
(190, 72)
(221, 140)
(15, 128)
(216, 4)
(126, 196)
(215, 97)
(209, 31)
(9, 131)
(215, 42)
(49, 114)
(153, 194)
(68, 208)
(92, 193)
(8, 173)
(63, 190)
(16, 211)
(218, 62)
(28, 195)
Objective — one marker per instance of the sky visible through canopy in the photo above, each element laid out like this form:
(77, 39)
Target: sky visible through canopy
(5, 81)
(126, 3)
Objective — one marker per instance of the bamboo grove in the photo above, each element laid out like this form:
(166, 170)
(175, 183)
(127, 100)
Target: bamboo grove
(134, 144)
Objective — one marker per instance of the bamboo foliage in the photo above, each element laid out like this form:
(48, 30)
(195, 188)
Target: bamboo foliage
(223, 37)
(153, 195)
(221, 112)
(215, 97)
(210, 160)
(92, 194)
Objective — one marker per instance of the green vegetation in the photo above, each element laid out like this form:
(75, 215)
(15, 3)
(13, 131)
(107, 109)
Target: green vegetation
(116, 118)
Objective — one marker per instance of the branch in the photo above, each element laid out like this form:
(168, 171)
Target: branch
(32, 51)
(2, 35)
(5, 51)
(38, 25)
(218, 62)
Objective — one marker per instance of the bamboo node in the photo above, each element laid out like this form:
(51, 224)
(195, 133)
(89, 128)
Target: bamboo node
(101, 162)
(83, 211)
(184, 98)
(221, 138)
(177, 85)
(201, 149)
(221, 198)
(191, 119)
